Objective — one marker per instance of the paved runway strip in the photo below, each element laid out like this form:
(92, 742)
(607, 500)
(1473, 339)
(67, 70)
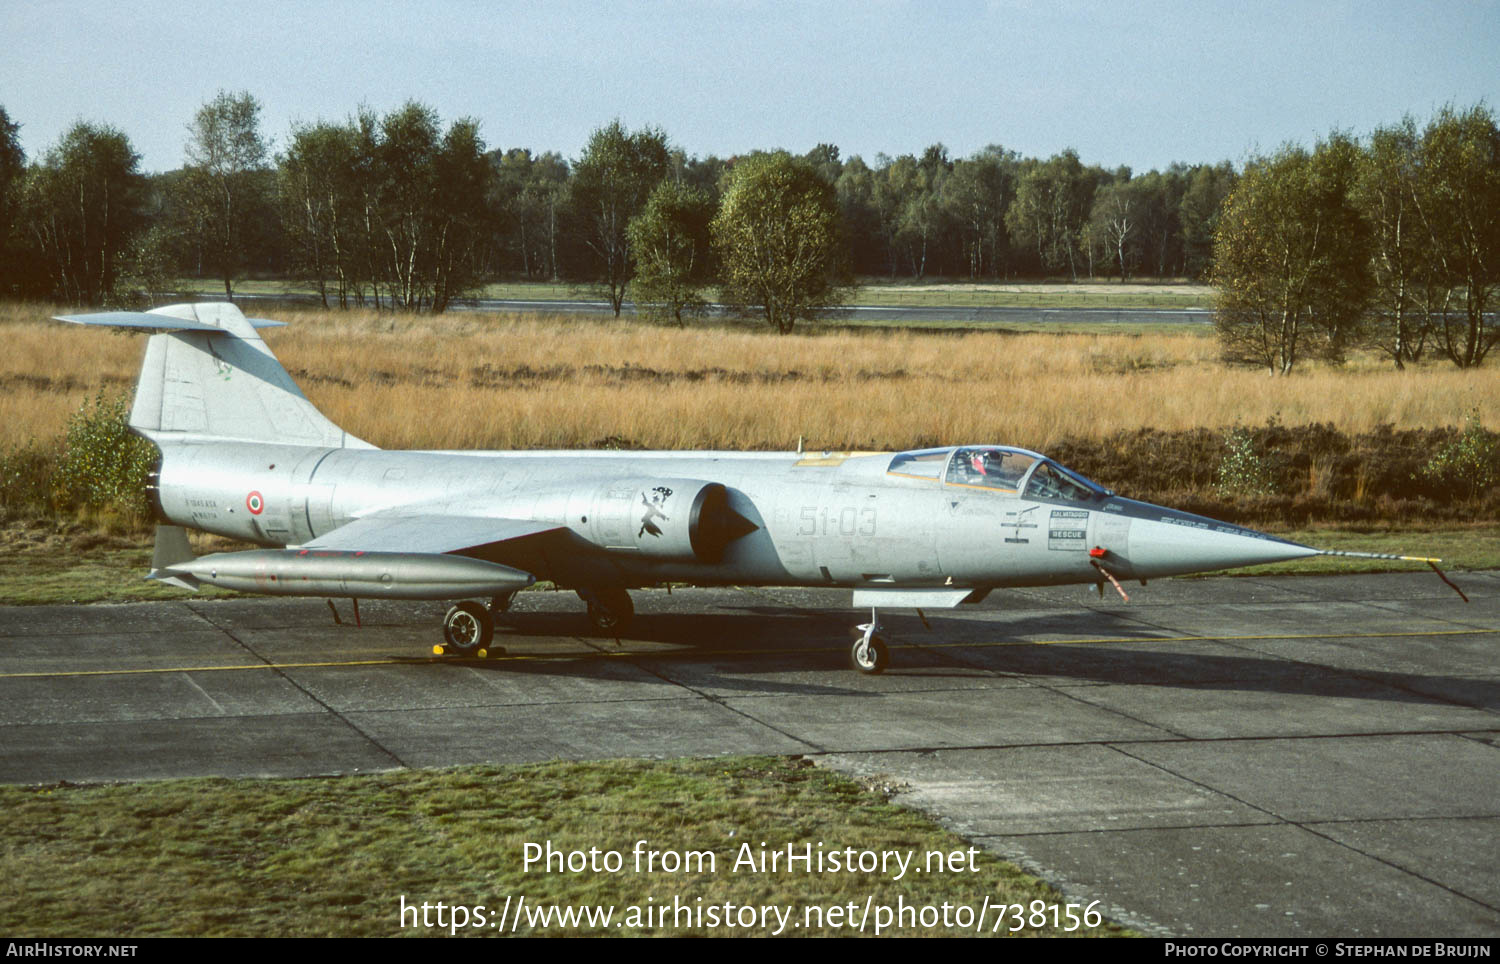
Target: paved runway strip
(1268, 756)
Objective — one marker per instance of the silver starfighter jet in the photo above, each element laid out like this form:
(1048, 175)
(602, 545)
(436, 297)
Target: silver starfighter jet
(244, 454)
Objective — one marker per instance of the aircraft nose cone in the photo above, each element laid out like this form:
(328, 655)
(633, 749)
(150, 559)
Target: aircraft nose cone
(1177, 543)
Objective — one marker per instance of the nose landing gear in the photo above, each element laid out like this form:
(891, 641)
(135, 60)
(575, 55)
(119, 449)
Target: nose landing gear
(869, 654)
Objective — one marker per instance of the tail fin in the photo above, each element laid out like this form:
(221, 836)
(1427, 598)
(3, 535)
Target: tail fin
(209, 376)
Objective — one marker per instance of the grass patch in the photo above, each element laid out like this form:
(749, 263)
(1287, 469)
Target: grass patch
(43, 565)
(334, 856)
(95, 575)
(39, 577)
(1040, 295)
(850, 321)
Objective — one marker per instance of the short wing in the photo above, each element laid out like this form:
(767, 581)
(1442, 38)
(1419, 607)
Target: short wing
(938, 597)
(387, 532)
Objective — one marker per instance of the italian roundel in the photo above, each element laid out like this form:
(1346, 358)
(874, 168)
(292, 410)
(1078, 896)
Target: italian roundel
(254, 503)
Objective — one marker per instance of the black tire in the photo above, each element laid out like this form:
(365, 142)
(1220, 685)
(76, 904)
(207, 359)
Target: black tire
(610, 610)
(467, 628)
(870, 659)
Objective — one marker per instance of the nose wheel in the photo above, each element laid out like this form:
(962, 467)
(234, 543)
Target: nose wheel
(869, 654)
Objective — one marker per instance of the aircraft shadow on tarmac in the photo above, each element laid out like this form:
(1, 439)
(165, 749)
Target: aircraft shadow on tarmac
(1124, 663)
(759, 642)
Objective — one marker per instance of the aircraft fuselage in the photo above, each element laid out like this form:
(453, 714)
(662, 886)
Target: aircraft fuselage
(828, 519)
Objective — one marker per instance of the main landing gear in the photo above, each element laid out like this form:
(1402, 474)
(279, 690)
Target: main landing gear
(610, 610)
(469, 627)
(869, 654)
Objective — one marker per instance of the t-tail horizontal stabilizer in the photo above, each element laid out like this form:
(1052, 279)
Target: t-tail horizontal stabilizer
(153, 322)
(208, 377)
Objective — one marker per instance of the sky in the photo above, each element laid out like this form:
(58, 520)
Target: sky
(1141, 84)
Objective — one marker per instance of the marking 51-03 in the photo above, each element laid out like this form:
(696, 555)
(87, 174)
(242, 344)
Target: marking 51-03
(847, 521)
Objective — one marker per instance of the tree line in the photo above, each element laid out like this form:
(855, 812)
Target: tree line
(1390, 241)
(1393, 242)
(402, 210)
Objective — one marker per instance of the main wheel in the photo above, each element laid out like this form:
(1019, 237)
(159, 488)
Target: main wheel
(869, 658)
(610, 610)
(467, 628)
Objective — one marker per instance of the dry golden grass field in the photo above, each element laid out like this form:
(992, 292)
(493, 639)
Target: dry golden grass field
(495, 381)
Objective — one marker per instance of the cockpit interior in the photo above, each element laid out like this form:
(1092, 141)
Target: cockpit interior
(1002, 468)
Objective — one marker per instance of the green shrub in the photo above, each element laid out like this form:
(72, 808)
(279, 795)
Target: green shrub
(1241, 470)
(103, 466)
(1470, 464)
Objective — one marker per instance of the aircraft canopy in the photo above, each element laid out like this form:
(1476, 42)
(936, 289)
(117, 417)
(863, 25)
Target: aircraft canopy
(998, 467)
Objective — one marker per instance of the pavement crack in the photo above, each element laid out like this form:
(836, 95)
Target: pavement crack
(204, 693)
(327, 708)
(1308, 826)
(636, 660)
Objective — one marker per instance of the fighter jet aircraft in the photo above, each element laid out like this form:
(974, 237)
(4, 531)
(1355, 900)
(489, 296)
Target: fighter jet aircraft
(244, 454)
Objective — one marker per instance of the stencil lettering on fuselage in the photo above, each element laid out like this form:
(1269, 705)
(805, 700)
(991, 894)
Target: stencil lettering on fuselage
(1016, 521)
(1068, 530)
(1112, 533)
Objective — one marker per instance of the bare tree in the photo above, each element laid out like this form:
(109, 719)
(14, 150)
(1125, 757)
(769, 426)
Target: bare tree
(1459, 204)
(1116, 218)
(1387, 195)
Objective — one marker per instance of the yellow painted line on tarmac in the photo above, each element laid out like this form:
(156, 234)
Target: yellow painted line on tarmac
(700, 654)
(214, 669)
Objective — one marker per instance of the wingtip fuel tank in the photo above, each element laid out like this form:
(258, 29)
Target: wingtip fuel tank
(368, 575)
